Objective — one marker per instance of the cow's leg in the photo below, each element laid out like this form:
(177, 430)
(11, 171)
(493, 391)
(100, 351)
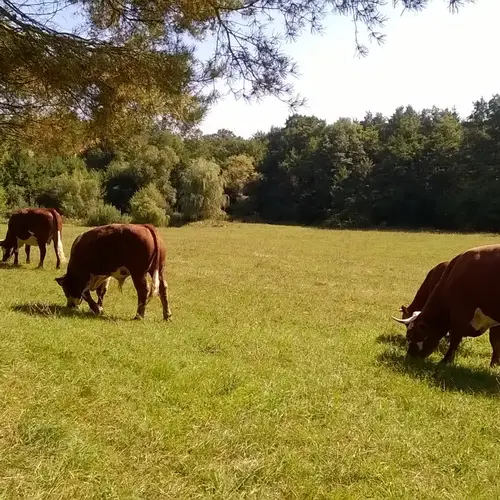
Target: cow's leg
(167, 313)
(141, 286)
(28, 249)
(455, 339)
(16, 256)
(101, 292)
(495, 345)
(94, 307)
(43, 251)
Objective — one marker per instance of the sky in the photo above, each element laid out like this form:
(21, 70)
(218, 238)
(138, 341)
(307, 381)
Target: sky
(429, 58)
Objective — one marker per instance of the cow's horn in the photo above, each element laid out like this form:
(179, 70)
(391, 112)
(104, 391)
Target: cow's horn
(407, 321)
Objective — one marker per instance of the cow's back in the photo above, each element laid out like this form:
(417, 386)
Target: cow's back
(27, 220)
(426, 288)
(474, 282)
(104, 249)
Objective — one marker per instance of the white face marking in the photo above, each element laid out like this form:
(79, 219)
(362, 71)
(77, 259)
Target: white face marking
(420, 345)
(481, 322)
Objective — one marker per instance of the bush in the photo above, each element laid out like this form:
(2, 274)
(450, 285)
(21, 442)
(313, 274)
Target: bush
(104, 214)
(148, 206)
(76, 192)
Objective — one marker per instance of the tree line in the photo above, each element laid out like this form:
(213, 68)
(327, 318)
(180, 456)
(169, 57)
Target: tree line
(413, 169)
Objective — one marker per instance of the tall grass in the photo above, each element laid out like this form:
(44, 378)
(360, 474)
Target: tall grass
(281, 375)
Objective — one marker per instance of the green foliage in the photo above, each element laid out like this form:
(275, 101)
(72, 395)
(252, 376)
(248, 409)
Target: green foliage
(149, 206)
(237, 173)
(426, 168)
(103, 214)
(201, 191)
(3, 202)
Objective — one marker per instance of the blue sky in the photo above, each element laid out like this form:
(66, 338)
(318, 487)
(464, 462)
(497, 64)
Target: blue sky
(430, 58)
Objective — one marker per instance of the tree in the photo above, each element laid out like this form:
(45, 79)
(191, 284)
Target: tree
(201, 192)
(131, 61)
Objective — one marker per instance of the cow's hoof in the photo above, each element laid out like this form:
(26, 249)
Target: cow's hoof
(167, 317)
(138, 318)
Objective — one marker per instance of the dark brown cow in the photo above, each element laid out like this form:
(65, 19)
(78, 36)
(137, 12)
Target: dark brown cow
(465, 302)
(425, 290)
(33, 226)
(118, 251)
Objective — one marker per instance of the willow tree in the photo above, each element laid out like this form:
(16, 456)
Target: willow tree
(130, 61)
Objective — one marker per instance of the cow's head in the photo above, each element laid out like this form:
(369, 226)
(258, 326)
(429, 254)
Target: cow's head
(422, 339)
(8, 250)
(71, 291)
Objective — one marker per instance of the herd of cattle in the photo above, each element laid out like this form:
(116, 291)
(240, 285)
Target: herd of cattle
(458, 298)
(461, 298)
(114, 250)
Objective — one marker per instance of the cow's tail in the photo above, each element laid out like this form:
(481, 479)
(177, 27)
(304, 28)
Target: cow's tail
(155, 264)
(57, 230)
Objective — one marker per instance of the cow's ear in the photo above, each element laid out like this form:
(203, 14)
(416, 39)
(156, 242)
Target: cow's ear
(2, 243)
(60, 280)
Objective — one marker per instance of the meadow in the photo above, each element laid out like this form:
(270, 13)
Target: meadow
(280, 375)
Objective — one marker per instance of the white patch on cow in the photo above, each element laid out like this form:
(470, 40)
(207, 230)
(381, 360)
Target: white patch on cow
(480, 322)
(59, 245)
(32, 241)
(120, 273)
(155, 285)
(420, 345)
(96, 280)
(477, 256)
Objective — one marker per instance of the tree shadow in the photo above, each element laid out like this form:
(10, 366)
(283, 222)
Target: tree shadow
(454, 377)
(56, 311)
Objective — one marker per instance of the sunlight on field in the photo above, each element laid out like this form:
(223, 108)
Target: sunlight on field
(281, 375)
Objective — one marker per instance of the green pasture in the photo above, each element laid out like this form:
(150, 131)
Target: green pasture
(281, 375)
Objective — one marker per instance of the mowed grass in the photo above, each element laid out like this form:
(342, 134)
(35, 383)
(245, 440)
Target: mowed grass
(281, 375)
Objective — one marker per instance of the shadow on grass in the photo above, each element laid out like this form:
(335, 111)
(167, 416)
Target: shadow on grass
(453, 377)
(56, 311)
(8, 266)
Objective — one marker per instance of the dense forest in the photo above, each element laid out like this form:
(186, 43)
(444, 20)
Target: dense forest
(414, 169)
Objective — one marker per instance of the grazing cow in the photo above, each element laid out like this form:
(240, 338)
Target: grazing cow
(465, 302)
(118, 251)
(33, 226)
(425, 290)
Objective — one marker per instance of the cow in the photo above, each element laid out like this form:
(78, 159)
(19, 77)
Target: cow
(33, 226)
(118, 251)
(465, 302)
(425, 290)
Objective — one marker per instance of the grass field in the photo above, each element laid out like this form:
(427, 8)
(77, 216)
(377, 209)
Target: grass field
(281, 375)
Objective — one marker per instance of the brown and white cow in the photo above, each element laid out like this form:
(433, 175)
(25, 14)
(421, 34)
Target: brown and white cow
(465, 302)
(118, 251)
(425, 290)
(33, 226)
